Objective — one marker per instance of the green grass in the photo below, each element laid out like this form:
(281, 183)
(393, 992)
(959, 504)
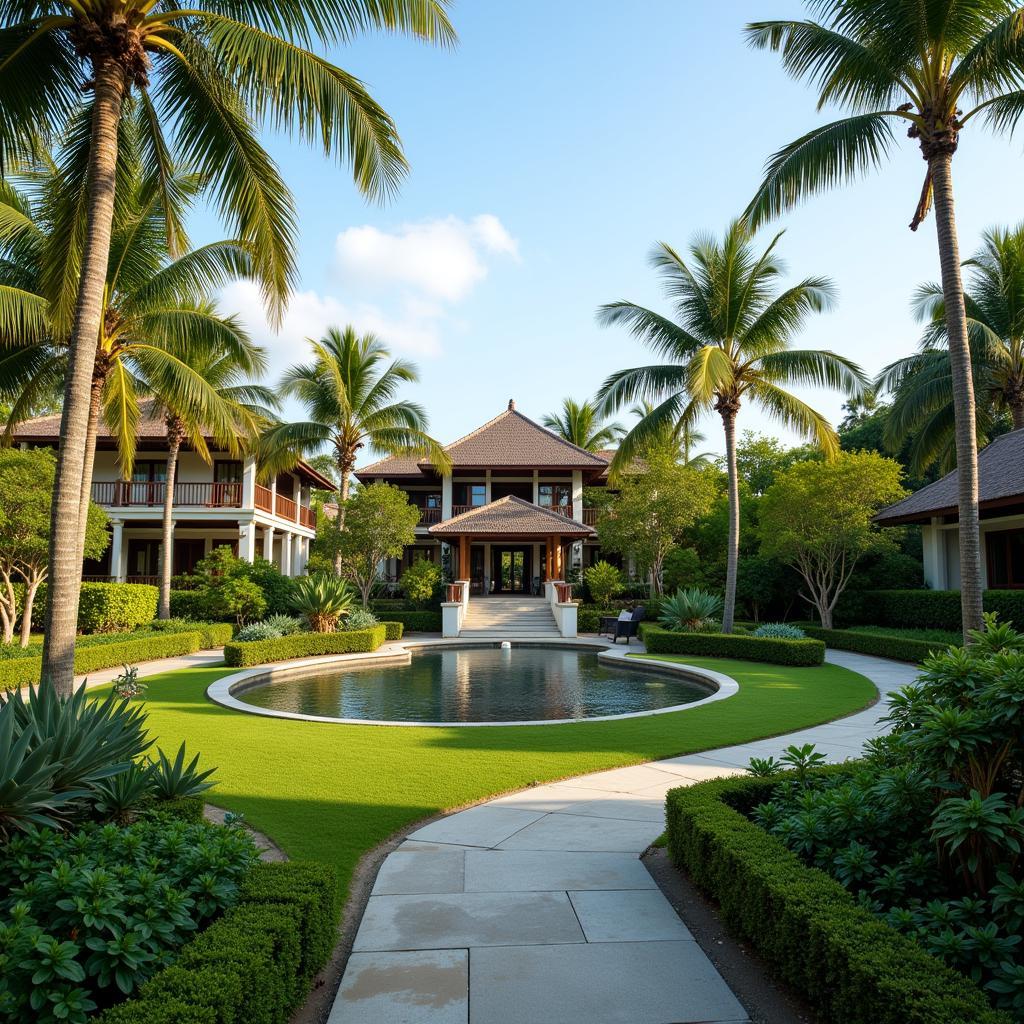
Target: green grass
(941, 636)
(332, 792)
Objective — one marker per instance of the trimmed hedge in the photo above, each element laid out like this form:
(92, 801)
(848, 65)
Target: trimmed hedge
(730, 645)
(416, 622)
(24, 671)
(111, 607)
(897, 648)
(847, 963)
(933, 609)
(393, 630)
(182, 808)
(188, 604)
(211, 634)
(254, 965)
(304, 645)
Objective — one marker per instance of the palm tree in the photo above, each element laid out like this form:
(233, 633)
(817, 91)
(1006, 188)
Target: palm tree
(728, 342)
(154, 314)
(203, 76)
(349, 395)
(244, 408)
(681, 437)
(581, 424)
(890, 61)
(922, 383)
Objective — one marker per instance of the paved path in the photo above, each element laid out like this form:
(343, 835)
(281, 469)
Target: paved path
(535, 909)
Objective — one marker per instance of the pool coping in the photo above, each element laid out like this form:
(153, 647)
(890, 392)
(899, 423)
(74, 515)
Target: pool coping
(222, 691)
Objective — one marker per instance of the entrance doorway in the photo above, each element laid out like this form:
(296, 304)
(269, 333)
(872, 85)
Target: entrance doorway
(510, 570)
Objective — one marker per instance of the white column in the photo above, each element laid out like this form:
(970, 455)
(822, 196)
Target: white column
(536, 487)
(933, 542)
(298, 560)
(487, 564)
(286, 552)
(446, 497)
(116, 550)
(249, 483)
(487, 487)
(268, 543)
(273, 495)
(247, 541)
(577, 495)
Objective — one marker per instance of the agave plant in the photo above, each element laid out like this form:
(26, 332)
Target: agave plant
(122, 794)
(170, 780)
(690, 611)
(322, 599)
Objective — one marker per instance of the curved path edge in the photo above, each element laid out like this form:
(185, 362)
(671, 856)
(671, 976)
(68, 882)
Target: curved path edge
(534, 908)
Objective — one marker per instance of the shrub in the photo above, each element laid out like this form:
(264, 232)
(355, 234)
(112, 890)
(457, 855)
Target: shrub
(102, 909)
(723, 645)
(190, 604)
(415, 622)
(322, 599)
(689, 611)
(211, 634)
(603, 581)
(241, 598)
(229, 587)
(937, 609)
(174, 780)
(257, 631)
(393, 630)
(779, 631)
(303, 645)
(110, 607)
(286, 625)
(848, 964)
(421, 582)
(360, 618)
(18, 672)
(895, 647)
(255, 963)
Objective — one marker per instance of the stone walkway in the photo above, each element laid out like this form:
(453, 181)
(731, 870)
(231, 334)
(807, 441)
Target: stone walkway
(535, 909)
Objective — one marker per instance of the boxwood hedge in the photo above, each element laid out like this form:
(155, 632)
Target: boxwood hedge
(897, 648)
(254, 965)
(393, 630)
(932, 609)
(18, 672)
(730, 645)
(418, 622)
(304, 645)
(847, 963)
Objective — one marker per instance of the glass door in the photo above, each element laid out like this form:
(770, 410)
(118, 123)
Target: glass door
(511, 570)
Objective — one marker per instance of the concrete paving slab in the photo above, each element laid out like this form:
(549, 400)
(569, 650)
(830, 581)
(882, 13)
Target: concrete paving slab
(579, 832)
(415, 844)
(478, 826)
(422, 987)
(599, 983)
(533, 871)
(420, 871)
(623, 780)
(617, 916)
(455, 921)
(626, 807)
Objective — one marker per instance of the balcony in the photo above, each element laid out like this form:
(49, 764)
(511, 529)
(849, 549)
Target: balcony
(267, 500)
(429, 516)
(590, 517)
(559, 510)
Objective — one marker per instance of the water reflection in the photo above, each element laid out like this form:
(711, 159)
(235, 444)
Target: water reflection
(478, 685)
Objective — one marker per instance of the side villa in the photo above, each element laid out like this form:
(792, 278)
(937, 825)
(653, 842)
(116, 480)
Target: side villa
(511, 515)
(214, 505)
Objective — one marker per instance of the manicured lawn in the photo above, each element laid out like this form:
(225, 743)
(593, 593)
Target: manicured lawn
(331, 792)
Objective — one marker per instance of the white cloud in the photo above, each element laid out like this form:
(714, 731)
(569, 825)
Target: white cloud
(442, 258)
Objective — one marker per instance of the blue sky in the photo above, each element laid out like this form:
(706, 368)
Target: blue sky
(548, 153)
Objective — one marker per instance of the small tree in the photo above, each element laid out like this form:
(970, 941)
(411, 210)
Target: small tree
(653, 508)
(817, 517)
(26, 488)
(233, 588)
(379, 522)
(604, 581)
(421, 582)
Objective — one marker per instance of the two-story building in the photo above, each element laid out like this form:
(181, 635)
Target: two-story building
(214, 505)
(511, 513)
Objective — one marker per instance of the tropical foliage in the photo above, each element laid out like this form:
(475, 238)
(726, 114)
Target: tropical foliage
(322, 600)
(581, 424)
(932, 68)
(603, 582)
(728, 342)
(690, 611)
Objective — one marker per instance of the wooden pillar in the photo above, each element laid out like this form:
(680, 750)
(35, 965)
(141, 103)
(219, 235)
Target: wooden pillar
(464, 556)
(558, 558)
(548, 559)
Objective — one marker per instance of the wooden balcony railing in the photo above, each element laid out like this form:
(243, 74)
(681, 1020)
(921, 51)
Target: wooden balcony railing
(263, 498)
(561, 510)
(119, 493)
(457, 510)
(590, 517)
(286, 508)
(429, 516)
(307, 517)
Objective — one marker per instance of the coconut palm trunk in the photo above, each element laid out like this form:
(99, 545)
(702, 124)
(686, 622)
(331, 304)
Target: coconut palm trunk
(65, 563)
(175, 435)
(99, 379)
(728, 409)
(344, 476)
(940, 166)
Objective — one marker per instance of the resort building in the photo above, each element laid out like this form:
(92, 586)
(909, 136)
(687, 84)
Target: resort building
(511, 515)
(214, 505)
(1001, 504)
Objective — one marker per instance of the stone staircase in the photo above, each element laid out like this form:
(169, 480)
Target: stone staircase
(512, 617)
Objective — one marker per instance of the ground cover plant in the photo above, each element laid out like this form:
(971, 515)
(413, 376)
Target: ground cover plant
(927, 831)
(360, 784)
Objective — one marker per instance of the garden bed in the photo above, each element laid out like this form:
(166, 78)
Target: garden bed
(805, 652)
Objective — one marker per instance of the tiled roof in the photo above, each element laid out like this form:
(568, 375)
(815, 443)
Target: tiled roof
(1000, 480)
(152, 427)
(511, 515)
(393, 465)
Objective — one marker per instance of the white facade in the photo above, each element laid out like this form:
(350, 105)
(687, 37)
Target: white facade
(941, 543)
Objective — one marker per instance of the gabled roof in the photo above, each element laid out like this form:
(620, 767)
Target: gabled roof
(514, 516)
(509, 440)
(1000, 482)
(152, 427)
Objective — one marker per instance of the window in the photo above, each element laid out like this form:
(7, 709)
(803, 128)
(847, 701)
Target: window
(227, 472)
(555, 495)
(432, 501)
(147, 470)
(1005, 553)
(474, 495)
